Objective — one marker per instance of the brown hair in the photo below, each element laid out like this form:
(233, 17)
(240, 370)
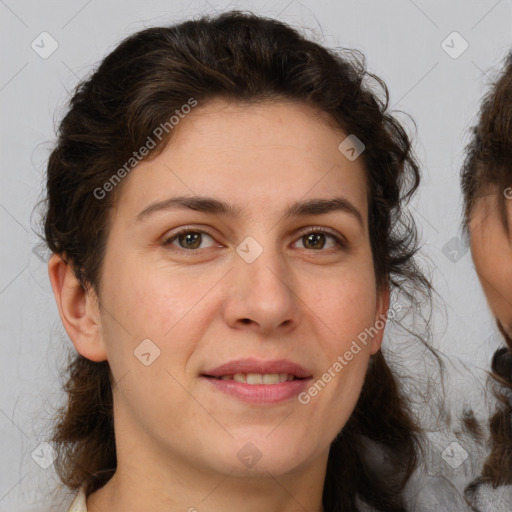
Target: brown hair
(487, 169)
(248, 58)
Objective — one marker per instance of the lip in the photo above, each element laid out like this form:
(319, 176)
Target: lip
(259, 393)
(263, 394)
(251, 365)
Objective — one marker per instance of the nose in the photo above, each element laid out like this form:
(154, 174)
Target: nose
(261, 295)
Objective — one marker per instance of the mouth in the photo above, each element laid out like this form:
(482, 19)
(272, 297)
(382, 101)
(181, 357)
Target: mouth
(254, 370)
(257, 378)
(258, 382)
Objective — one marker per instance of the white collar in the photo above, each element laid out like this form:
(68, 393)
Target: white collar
(79, 504)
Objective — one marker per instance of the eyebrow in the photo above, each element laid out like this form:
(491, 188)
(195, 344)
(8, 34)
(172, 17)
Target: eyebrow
(211, 205)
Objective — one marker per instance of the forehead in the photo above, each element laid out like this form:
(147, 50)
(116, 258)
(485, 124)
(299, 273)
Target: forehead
(252, 154)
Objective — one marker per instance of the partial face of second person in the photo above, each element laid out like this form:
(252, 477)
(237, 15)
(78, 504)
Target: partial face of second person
(491, 248)
(304, 298)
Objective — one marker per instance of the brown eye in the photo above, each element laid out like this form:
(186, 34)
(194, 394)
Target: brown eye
(188, 240)
(314, 240)
(318, 240)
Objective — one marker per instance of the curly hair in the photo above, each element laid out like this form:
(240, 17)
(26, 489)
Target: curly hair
(487, 168)
(248, 58)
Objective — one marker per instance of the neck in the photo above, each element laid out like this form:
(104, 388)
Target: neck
(146, 481)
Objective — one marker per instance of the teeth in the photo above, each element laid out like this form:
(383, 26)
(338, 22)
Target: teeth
(254, 378)
(271, 378)
(258, 378)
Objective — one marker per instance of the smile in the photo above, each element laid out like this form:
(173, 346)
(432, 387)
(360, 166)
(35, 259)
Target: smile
(259, 378)
(258, 389)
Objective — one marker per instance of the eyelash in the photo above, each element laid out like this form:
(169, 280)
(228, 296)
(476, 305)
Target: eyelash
(340, 242)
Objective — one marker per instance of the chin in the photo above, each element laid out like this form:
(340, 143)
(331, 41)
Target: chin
(274, 464)
(260, 454)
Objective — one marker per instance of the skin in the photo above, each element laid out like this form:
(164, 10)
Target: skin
(491, 248)
(177, 438)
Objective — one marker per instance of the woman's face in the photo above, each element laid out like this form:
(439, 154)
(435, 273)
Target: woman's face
(247, 287)
(491, 247)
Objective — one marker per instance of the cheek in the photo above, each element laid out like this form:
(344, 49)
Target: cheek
(349, 312)
(152, 299)
(148, 303)
(349, 305)
(493, 263)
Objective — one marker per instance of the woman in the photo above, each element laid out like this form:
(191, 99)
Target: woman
(486, 184)
(225, 212)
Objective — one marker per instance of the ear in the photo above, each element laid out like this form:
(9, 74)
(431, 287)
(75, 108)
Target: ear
(78, 309)
(381, 313)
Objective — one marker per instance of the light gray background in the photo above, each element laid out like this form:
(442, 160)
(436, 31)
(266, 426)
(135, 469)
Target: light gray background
(402, 40)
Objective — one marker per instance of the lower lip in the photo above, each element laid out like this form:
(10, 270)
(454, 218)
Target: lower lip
(260, 393)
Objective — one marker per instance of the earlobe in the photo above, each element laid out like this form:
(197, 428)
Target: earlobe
(78, 309)
(383, 300)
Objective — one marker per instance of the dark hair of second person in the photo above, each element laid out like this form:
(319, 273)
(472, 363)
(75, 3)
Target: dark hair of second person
(487, 188)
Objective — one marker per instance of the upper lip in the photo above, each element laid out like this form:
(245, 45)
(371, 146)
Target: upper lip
(257, 366)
